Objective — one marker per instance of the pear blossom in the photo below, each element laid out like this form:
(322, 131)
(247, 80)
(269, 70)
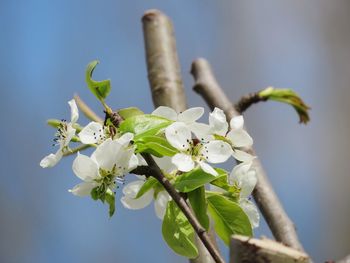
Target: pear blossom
(131, 190)
(244, 177)
(64, 135)
(236, 136)
(93, 133)
(108, 163)
(188, 117)
(130, 201)
(193, 153)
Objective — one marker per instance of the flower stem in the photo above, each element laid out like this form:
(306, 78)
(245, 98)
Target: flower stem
(182, 204)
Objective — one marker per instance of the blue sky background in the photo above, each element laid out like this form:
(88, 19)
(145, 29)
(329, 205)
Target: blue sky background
(44, 49)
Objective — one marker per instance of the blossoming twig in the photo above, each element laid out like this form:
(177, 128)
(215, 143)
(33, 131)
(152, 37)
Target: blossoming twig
(88, 112)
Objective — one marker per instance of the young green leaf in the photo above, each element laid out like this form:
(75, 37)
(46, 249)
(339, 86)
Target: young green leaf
(130, 112)
(101, 88)
(148, 185)
(178, 233)
(199, 205)
(110, 200)
(144, 125)
(290, 97)
(155, 145)
(194, 179)
(229, 218)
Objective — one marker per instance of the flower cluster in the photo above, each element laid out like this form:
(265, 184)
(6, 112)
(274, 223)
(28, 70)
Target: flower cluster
(186, 150)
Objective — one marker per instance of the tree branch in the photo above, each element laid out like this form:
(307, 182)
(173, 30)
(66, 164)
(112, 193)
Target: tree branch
(164, 75)
(246, 250)
(182, 204)
(281, 226)
(246, 101)
(163, 67)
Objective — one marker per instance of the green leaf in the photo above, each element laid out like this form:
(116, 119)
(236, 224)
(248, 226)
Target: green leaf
(155, 145)
(144, 125)
(101, 88)
(194, 179)
(148, 185)
(178, 233)
(130, 112)
(229, 218)
(110, 200)
(290, 97)
(199, 205)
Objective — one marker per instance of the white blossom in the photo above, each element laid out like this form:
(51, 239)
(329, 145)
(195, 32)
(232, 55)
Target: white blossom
(108, 163)
(244, 177)
(64, 135)
(193, 154)
(236, 136)
(189, 117)
(92, 133)
(131, 190)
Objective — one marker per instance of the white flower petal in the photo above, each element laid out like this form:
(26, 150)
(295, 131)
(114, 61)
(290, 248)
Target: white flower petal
(252, 212)
(216, 151)
(141, 160)
(165, 112)
(248, 183)
(69, 135)
(51, 160)
(74, 113)
(91, 133)
(242, 156)
(208, 169)
(178, 135)
(245, 177)
(217, 122)
(133, 162)
(85, 168)
(183, 162)
(125, 139)
(83, 189)
(190, 115)
(123, 160)
(240, 138)
(106, 153)
(161, 203)
(130, 191)
(237, 122)
(165, 164)
(201, 130)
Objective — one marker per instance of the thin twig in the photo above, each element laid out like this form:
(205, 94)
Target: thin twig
(182, 204)
(281, 226)
(88, 112)
(77, 149)
(248, 100)
(164, 75)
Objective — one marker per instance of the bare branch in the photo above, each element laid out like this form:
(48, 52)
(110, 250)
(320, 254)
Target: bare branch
(164, 75)
(163, 67)
(245, 249)
(281, 226)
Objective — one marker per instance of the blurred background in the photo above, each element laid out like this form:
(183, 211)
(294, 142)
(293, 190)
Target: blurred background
(44, 49)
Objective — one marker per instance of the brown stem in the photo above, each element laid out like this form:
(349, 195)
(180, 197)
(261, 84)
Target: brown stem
(182, 204)
(248, 100)
(281, 226)
(164, 75)
(163, 67)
